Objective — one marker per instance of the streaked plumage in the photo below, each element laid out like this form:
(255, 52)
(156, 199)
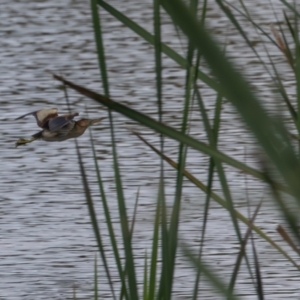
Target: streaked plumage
(57, 128)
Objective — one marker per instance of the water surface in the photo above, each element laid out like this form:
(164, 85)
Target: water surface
(47, 244)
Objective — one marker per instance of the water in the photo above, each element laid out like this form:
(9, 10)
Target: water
(47, 243)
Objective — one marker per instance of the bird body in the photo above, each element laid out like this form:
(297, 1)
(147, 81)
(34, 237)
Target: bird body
(57, 128)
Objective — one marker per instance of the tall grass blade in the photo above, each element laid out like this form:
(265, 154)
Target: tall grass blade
(158, 60)
(154, 253)
(297, 73)
(74, 293)
(164, 289)
(95, 279)
(90, 205)
(145, 291)
(158, 70)
(213, 137)
(211, 161)
(222, 175)
(134, 212)
(204, 223)
(108, 218)
(218, 284)
(259, 287)
(160, 210)
(123, 289)
(130, 268)
(93, 217)
(174, 222)
(150, 39)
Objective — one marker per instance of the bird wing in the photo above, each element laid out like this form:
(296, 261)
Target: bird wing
(58, 123)
(42, 116)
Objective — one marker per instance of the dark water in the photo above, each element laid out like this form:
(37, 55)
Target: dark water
(47, 244)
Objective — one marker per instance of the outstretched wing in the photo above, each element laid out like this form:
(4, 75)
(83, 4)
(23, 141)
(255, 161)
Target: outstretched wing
(42, 116)
(58, 123)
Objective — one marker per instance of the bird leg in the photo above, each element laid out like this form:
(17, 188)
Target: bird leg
(22, 141)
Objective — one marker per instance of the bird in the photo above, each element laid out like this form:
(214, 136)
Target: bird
(56, 128)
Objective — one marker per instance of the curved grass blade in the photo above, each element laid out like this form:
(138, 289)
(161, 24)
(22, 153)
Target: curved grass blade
(166, 130)
(220, 201)
(287, 238)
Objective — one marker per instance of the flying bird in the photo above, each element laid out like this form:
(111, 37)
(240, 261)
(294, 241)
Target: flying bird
(57, 128)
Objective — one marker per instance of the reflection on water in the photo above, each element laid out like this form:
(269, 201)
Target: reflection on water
(47, 245)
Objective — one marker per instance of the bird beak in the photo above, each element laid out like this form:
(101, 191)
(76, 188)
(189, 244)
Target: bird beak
(95, 121)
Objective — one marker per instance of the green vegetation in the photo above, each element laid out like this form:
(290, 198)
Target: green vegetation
(280, 164)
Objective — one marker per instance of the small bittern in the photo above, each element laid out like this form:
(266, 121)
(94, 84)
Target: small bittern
(57, 128)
